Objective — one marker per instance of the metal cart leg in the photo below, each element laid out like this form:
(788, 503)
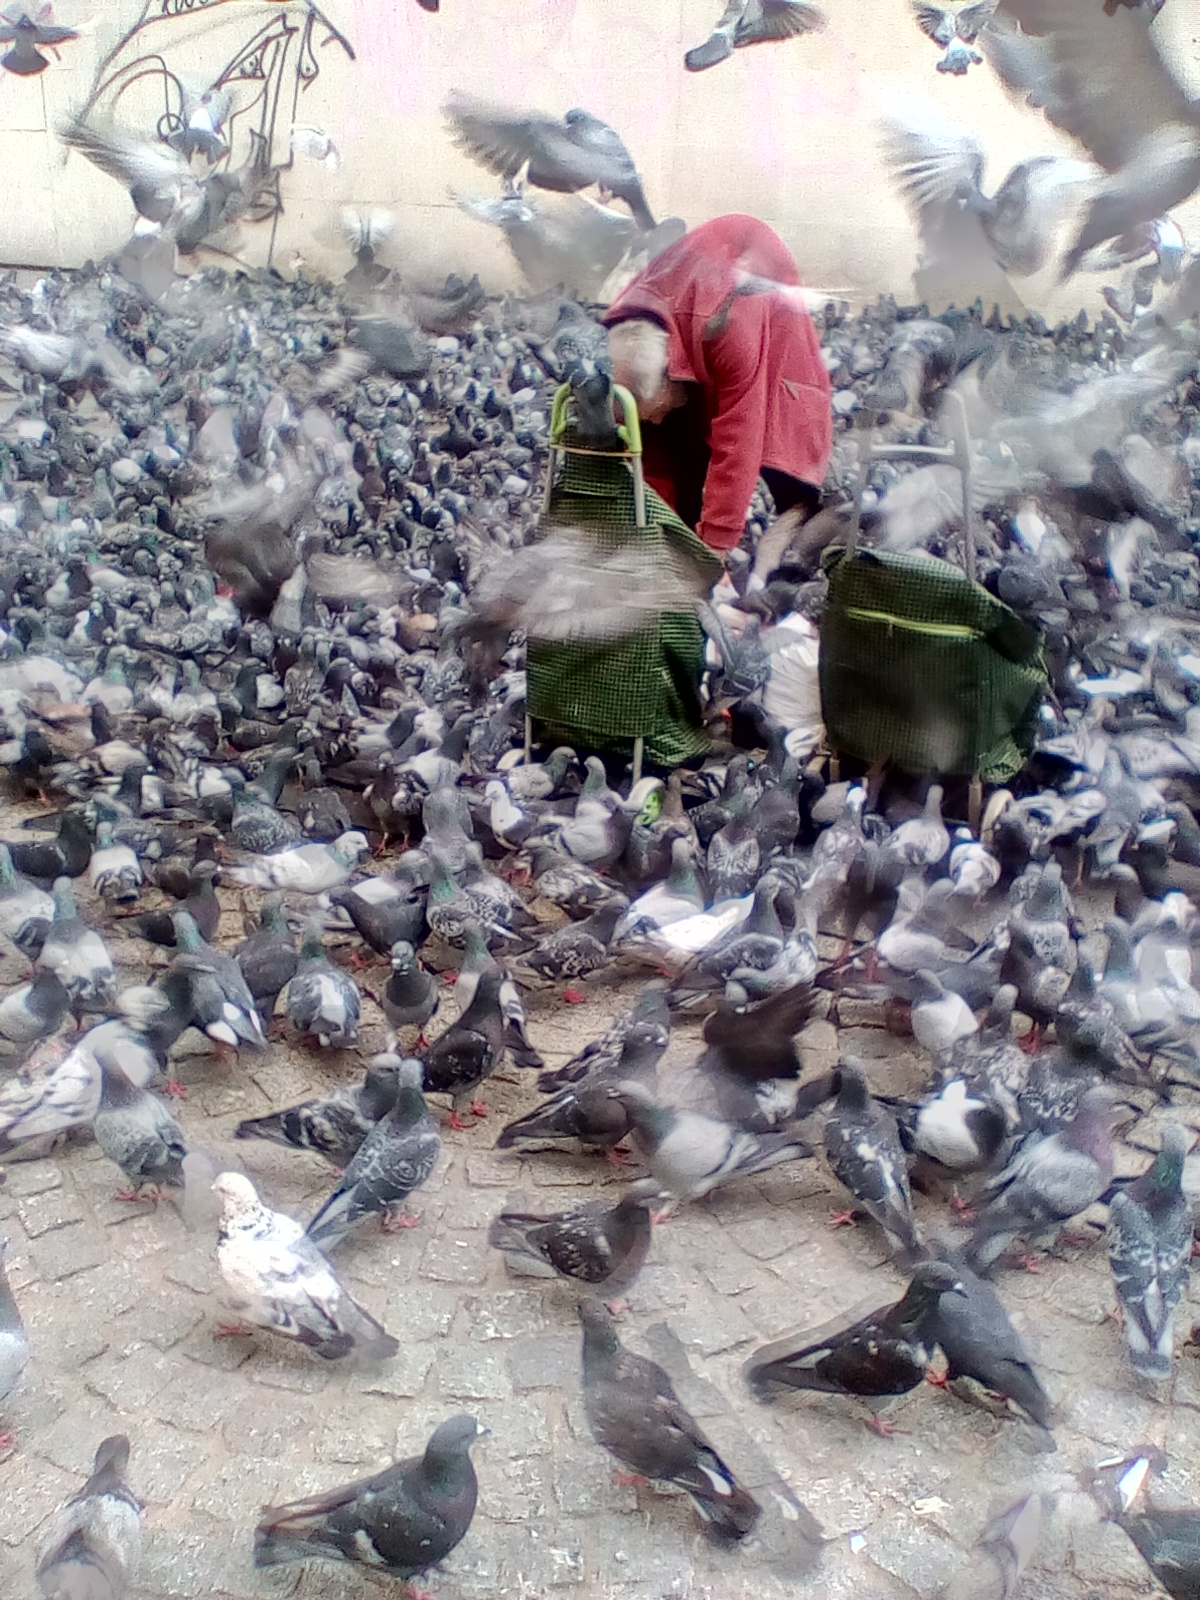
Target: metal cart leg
(975, 803)
(639, 745)
(528, 738)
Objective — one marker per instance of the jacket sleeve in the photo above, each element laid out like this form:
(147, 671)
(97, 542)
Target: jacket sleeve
(737, 370)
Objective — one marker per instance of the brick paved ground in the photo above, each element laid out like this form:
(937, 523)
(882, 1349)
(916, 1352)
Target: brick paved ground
(121, 1300)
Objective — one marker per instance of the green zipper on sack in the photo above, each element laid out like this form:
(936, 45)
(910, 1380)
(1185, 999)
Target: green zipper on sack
(938, 630)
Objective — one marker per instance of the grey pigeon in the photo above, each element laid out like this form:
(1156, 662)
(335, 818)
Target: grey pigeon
(94, 1543)
(973, 1331)
(322, 1002)
(77, 956)
(35, 1010)
(335, 1124)
(400, 1521)
(222, 1005)
(396, 1157)
(747, 22)
(478, 959)
(410, 995)
(29, 36)
(689, 1154)
(584, 1112)
(955, 28)
(471, 1048)
(268, 958)
(862, 1144)
(1001, 1553)
(596, 1244)
(1105, 81)
(886, 1353)
(563, 154)
(598, 1056)
(279, 1280)
(14, 1345)
(1149, 1247)
(634, 1414)
(136, 1130)
(1047, 1182)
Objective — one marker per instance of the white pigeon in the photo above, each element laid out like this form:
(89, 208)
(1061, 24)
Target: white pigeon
(57, 1089)
(279, 1279)
(305, 869)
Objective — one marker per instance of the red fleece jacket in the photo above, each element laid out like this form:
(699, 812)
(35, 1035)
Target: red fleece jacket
(755, 357)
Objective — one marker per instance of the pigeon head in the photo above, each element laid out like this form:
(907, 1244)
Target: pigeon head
(239, 1198)
(346, 850)
(1167, 1170)
(853, 1092)
(112, 1457)
(446, 1455)
(929, 1282)
(410, 1074)
(599, 1329)
(403, 956)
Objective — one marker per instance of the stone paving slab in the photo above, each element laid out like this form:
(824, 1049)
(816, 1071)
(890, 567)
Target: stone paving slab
(120, 1302)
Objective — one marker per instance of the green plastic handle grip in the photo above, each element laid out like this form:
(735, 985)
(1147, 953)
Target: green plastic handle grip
(630, 431)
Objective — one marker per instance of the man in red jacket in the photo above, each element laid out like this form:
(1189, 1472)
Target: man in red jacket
(716, 346)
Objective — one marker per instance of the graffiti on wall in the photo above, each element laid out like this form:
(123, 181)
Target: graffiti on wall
(253, 101)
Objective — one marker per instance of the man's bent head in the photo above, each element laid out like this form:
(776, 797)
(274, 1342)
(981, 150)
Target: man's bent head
(639, 361)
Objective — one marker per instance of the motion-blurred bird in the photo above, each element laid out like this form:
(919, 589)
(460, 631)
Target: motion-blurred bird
(564, 154)
(747, 22)
(28, 37)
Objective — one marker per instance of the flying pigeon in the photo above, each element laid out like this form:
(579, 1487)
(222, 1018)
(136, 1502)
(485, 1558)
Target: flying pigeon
(564, 154)
(747, 22)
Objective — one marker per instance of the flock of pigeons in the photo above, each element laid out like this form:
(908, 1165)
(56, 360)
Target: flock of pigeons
(259, 615)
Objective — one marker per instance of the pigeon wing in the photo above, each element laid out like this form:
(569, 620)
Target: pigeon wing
(1112, 90)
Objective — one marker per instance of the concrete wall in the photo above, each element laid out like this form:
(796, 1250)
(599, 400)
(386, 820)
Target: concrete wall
(786, 132)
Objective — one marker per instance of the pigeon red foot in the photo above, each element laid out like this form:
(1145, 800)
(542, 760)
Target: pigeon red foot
(394, 1221)
(574, 997)
(843, 1219)
(882, 1427)
(478, 1109)
(617, 1157)
(175, 1089)
(629, 1480)
(230, 1330)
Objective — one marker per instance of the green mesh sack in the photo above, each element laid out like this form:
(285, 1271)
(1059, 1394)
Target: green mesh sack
(925, 670)
(600, 693)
